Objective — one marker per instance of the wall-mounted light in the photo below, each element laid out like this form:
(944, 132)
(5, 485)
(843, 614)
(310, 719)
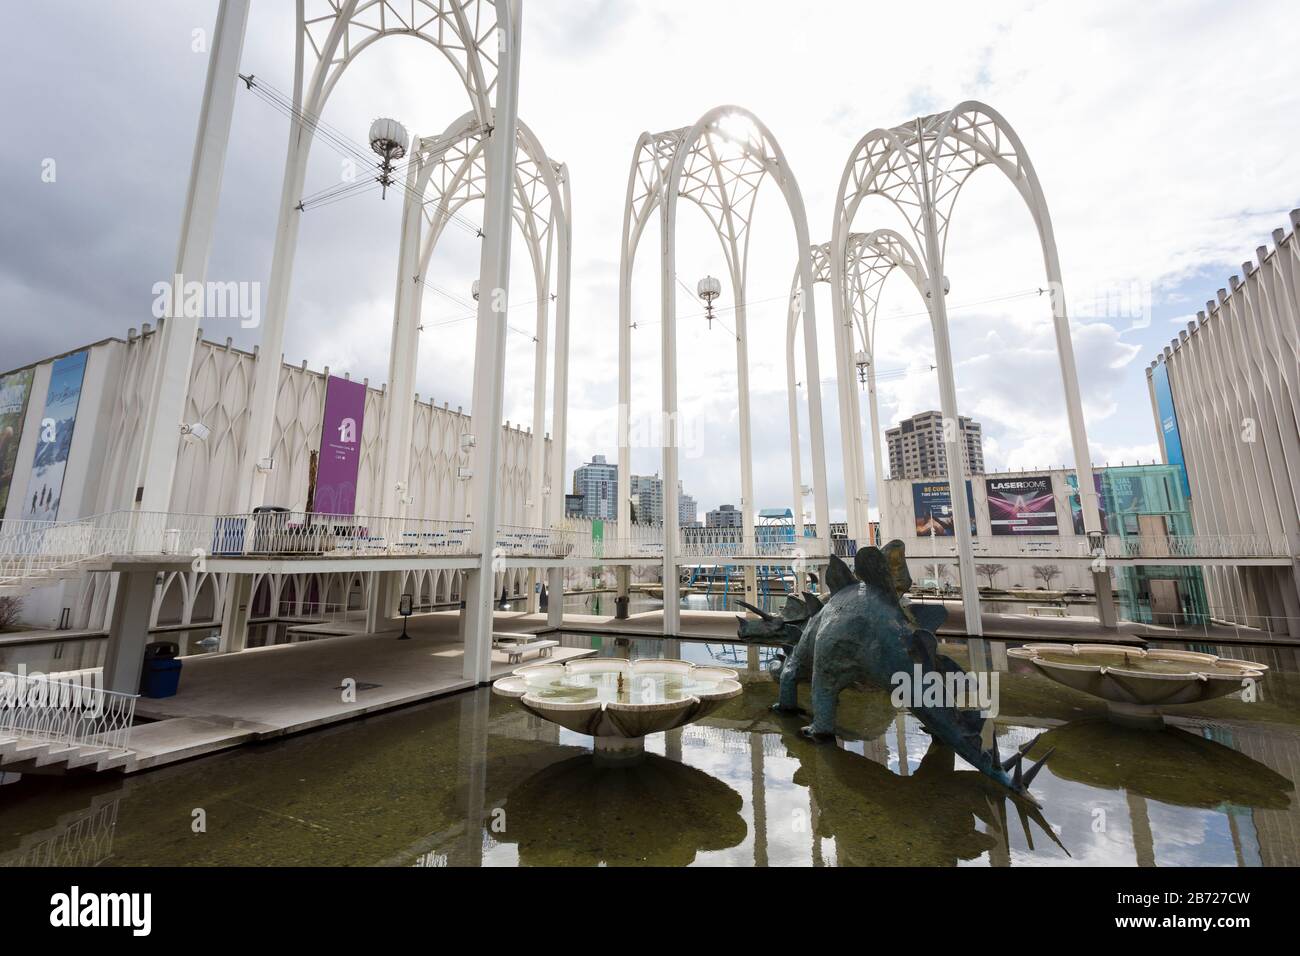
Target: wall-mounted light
(195, 432)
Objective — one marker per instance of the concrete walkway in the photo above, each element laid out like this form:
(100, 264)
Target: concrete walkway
(228, 700)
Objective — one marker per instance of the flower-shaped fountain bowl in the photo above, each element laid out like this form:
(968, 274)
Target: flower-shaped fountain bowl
(1135, 682)
(619, 702)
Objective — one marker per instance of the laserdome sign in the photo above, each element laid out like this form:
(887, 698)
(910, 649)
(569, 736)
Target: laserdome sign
(1023, 505)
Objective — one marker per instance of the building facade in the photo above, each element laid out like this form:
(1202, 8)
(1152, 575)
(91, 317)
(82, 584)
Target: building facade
(725, 516)
(1029, 535)
(916, 447)
(99, 439)
(648, 493)
(687, 509)
(597, 483)
(1226, 398)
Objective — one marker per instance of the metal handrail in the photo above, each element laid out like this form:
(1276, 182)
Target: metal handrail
(73, 714)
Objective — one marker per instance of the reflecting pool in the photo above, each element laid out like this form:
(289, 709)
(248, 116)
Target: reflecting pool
(473, 780)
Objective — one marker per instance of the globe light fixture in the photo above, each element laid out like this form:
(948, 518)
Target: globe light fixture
(709, 289)
(862, 361)
(388, 138)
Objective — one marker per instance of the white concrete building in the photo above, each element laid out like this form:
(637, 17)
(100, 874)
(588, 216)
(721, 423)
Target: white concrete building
(1226, 398)
(105, 453)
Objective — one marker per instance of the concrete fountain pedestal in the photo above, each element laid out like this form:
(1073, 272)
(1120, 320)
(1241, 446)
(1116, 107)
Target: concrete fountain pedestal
(619, 702)
(1136, 683)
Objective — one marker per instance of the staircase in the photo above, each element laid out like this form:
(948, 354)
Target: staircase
(72, 725)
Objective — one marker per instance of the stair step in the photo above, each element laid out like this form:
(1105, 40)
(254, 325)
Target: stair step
(86, 755)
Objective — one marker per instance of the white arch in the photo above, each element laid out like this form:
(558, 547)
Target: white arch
(871, 259)
(921, 167)
(719, 163)
(466, 32)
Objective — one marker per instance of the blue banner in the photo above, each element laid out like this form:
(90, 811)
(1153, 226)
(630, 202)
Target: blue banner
(54, 442)
(1173, 443)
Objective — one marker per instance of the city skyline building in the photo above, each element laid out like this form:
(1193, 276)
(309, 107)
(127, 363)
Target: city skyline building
(916, 446)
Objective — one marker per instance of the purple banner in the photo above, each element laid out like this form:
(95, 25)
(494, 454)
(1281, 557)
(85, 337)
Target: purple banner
(340, 448)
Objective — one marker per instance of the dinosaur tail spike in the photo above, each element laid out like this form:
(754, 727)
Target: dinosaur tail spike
(1033, 771)
(1019, 755)
(761, 613)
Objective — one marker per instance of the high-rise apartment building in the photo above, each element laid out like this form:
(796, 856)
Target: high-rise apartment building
(916, 447)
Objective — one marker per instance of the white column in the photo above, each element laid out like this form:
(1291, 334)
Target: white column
(234, 616)
(792, 403)
(129, 631)
(1088, 499)
(877, 457)
(560, 400)
(672, 532)
(961, 516)
(489, 348)
(165, 408)
(748, 505)
(403, 356)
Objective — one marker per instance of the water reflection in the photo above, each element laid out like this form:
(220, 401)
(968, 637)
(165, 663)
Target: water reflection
(656, 813)
(473, 780)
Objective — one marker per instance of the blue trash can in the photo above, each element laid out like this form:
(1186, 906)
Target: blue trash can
(161, 675)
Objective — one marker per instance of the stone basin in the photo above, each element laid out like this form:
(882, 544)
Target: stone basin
(1136, 682)
(619, 702)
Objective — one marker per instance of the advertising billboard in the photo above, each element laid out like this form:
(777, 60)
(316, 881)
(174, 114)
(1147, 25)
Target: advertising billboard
(1169, 437)
(1076, 512)
(1021, 505)
(340, 447)
(932, 507)
(45, 487)
(15, 389)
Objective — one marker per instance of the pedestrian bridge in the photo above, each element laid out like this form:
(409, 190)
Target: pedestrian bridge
(33, 553)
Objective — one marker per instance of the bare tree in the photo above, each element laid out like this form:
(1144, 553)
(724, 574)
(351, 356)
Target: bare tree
(1045, 573)
(10, 608)
(990, 571)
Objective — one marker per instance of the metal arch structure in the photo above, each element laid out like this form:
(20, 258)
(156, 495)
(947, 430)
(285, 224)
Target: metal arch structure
(447, 173)
(481, 38)
(330, 37)
(871, 259)
(719, 163)
(920, 167)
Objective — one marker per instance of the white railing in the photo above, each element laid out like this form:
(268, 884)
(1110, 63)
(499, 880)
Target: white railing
(66, 712)
(32, 549)
(1184, 547)
(1202, 546)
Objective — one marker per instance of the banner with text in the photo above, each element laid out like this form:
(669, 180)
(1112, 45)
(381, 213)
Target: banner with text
(1021, 505)
(932, 507)
(340, 447)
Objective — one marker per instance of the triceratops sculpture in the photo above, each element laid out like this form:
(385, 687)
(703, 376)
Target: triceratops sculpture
(862, 635)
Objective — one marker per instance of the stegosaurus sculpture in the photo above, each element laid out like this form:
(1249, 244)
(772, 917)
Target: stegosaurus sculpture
(863, 635)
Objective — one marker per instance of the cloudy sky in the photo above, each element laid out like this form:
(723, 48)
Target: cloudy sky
(1164, 135)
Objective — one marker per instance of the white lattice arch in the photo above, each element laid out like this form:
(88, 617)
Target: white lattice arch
(921, 167)
(719, 164)
(448, 173)
(872, 257)
(330, 37)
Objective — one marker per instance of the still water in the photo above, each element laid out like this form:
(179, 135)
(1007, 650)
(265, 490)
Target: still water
(473, 780)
